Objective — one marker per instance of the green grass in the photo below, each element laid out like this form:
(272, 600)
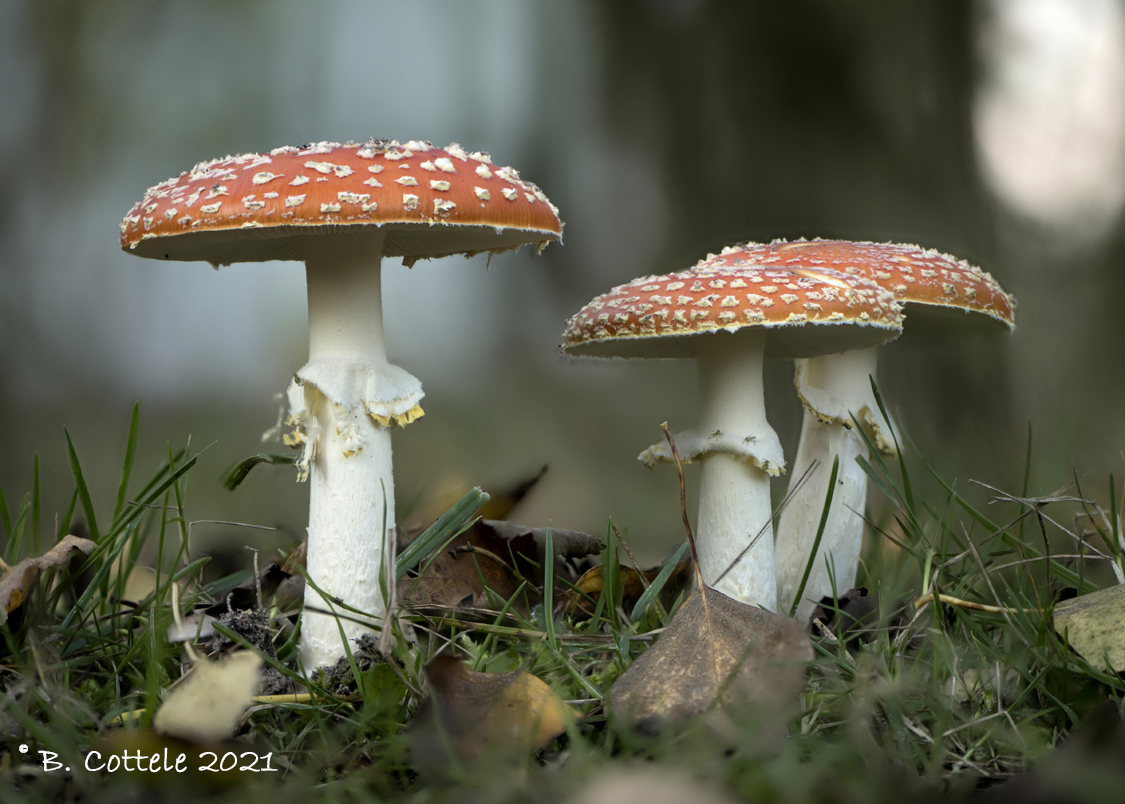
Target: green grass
(930, 702)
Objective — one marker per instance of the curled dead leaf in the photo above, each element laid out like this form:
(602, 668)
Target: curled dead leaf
(17, 580)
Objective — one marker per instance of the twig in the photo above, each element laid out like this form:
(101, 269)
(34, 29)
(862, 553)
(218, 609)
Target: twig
(604, 639)
(683, 506)
(636, 567)
(937, 597)
(988, 580)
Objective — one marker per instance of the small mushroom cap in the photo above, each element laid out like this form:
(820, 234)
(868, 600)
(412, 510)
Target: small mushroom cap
(431, 202)
(801, 313)
(937, 291)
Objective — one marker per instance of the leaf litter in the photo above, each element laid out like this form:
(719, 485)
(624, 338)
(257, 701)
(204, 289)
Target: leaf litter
(673, 682)
(503, 557)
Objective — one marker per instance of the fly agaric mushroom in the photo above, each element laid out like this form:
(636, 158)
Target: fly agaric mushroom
(730, 315)
(939, 293)
(341, 209)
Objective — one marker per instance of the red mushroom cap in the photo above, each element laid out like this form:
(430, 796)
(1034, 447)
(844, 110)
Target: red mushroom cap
(430, 201)
(804, 313)
(935, 288)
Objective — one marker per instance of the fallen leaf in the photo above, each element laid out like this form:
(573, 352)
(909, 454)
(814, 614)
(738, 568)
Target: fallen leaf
(716, 652)
(458, 576)
(577, 600)
(470, 714)
(498, 556)
(1094, 626)
(208, 704)
(16, 582)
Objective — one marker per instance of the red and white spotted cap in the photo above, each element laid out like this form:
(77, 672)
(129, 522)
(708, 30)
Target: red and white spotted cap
(802, 313)
(431, 202)
(936, 290)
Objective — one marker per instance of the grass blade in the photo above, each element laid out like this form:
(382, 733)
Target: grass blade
(130, 454)
(645, 601)
(819, 535)
(233, 479)
(35, 505)
(907, 491)
(611, 578)
(549, 590)
(6, 518)
(68, 517)
(110, 546)
(443, 529)
(83, 491)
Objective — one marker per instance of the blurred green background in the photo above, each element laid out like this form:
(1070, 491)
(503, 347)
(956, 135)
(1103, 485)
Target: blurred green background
(993, 130)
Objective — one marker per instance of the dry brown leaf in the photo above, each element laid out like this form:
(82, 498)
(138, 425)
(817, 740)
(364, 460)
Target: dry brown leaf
(498, 556)
(16, 582)
(715, 652)
(592, 583)
(209, 703)
(1094, 626)
(470, 714)
(458, 576)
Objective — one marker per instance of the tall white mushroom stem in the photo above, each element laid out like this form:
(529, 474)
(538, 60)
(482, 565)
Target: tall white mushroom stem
(734, 489)
(343, 403)
(832, 388)
(738, 452)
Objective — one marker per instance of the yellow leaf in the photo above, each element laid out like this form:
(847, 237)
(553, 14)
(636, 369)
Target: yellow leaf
(208, 704)
(472, 714)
